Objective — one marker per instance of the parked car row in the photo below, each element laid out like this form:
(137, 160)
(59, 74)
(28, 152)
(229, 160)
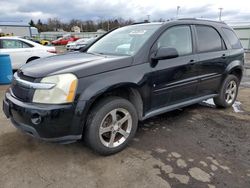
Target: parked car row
(39, 41)
(77, 45)
(23, 51)
(64, 40)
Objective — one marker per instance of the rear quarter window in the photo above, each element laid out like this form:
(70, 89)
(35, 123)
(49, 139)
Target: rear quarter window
(232, 38)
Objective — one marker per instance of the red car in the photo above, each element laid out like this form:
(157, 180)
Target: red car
(64, 40)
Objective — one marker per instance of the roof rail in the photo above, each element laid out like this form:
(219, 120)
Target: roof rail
(146, 21)
(202, 19)
(186, 19)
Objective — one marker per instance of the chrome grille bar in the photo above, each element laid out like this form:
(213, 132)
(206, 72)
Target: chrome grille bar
(31, 85)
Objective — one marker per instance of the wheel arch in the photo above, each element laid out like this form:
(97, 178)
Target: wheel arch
(128, 91)
(236, 68)
(32, 58)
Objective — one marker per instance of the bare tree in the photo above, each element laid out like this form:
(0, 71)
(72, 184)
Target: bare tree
(54, 24)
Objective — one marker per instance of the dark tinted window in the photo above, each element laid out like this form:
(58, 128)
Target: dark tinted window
(209, 39)
(178, 37)
(26, 45)
(233, 39)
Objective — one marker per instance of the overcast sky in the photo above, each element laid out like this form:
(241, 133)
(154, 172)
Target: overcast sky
(13, 10)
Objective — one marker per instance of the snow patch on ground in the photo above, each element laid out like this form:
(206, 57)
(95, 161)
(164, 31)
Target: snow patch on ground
(236, 106)
(209, 102)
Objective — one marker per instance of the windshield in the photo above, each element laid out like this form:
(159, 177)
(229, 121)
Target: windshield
(124, 41)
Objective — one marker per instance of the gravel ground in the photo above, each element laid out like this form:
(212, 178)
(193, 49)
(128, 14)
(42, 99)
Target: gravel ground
(199, 146)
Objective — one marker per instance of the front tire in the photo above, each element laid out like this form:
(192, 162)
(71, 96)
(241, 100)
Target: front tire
(228, 92)
(112, 123)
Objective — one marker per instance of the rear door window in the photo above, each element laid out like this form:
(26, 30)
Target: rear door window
(233, 39)
(208, 39)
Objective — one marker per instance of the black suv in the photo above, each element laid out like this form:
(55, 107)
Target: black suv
(131, 73)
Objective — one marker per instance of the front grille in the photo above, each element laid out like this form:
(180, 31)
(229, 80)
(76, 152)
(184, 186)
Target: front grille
(20, 92)
(24, 77)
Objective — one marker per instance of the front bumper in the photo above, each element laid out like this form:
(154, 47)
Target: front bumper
(55, 123)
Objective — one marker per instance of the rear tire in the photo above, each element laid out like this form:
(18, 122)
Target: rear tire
(228, 92)
(111, 124)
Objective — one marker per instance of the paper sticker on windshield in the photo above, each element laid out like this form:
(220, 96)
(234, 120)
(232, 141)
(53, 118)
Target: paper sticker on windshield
(138, 32)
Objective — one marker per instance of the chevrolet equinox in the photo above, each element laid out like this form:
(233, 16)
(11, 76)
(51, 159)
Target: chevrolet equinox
(128, 75)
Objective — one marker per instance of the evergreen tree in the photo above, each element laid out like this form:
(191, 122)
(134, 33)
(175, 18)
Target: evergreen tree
(40, 26)
(32, 24)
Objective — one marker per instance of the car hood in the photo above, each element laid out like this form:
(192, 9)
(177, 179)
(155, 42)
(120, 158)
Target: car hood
(78, 63)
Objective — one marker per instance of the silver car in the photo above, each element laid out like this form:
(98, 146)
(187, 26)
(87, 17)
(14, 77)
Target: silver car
(77, 45)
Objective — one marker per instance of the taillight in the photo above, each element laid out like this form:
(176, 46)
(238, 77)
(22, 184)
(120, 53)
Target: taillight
(52, 51)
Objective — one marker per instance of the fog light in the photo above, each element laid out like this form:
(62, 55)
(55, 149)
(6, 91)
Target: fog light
(36, 119)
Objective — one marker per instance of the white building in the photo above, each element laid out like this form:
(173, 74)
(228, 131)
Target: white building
(16, 29)
(243, 32)
(76, 29)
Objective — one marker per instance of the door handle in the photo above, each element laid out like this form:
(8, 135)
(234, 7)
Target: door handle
(223, 56)
(192, 62)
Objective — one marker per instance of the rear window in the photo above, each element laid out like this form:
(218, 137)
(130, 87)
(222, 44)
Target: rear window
(233, 39)
(209, 39)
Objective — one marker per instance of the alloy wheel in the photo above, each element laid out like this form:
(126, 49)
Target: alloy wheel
(231, 92)
(115, 127)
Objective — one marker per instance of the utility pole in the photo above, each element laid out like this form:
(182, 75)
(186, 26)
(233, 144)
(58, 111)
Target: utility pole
(81, 27)
(220, 13)
(177, 11)
(148, 17)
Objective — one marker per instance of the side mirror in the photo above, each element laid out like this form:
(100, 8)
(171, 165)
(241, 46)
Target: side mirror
(165, 53)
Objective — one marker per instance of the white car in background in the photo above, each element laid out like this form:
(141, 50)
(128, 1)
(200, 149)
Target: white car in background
(77, 45)
(22, 51)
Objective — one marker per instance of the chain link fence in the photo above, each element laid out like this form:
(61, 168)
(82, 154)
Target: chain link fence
(55, 35)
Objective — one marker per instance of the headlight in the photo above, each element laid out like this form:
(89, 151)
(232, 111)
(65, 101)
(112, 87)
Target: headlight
(63, 91)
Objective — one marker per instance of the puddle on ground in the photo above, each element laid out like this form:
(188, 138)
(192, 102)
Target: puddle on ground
(199, 174)
(168, 163)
